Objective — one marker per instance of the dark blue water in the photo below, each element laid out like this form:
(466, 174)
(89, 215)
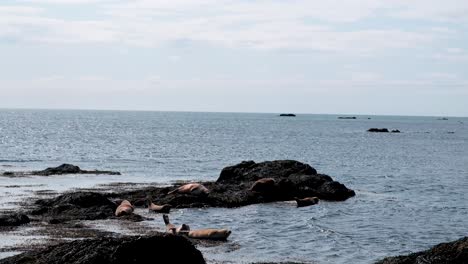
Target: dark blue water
(411, 187)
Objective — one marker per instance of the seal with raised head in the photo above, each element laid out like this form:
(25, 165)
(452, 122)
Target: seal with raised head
(164, 209)
(170, 228)
(263, 185)
(306, 201)
(125, 208)
(191, 188)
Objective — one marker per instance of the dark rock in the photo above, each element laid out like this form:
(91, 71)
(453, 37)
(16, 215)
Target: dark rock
(70, 169)
(75, 206)
(13, 219)
(346, 117)
(233, 187)
(60, 170)
(385, 130)
(455, 252)
(395, 131)
(158, 248)
(291, 115)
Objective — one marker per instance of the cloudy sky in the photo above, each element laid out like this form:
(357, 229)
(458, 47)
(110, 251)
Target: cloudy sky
(403, 57)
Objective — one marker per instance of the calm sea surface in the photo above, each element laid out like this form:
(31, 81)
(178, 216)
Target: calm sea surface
(411, 187)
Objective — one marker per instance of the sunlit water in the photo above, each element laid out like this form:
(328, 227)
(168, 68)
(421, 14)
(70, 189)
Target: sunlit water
(411, 187)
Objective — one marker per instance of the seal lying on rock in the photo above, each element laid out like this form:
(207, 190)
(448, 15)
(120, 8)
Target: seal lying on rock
(191, 188)
(207, 233)
(125, 208)
(263, 185)
(165, 208)
(306, 201)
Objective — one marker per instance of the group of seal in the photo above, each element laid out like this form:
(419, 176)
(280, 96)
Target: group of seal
(126, 208)
(263, 185)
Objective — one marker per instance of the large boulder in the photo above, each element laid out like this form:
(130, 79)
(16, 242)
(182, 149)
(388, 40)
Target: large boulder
(158, 248)
(455, 252)
(234, 186)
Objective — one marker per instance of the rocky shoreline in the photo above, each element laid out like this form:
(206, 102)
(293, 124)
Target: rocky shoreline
(236, 186)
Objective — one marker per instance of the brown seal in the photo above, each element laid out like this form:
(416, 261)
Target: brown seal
(170, 228)
(306, 201)
(263, 185)
(208, 233)
(125, 208)
(191, 188)
(164, 209)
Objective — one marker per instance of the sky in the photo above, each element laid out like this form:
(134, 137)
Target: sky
(396, 57)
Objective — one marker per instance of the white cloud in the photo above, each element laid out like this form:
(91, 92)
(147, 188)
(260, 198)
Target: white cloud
(260, 24)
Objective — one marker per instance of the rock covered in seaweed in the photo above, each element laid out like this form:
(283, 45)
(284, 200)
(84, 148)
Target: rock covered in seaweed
(455, 252)
(158, 248)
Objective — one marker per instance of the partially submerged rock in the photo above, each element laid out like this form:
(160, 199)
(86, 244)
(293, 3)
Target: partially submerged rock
(13, 219)
(60, 170)
(234, 186)
(158, 248)
(289, 115)
(455, 252)
(381, 130)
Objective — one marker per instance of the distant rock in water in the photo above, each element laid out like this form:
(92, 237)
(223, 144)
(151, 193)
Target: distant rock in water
(455, 252)
(13, 219)
(396, 131)
(381, 130)
(443, 118)
(346, 117)
(288, 115)
(60, 170)
(158, 248)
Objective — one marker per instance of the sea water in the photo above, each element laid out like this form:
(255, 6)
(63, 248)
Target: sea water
(411, 187)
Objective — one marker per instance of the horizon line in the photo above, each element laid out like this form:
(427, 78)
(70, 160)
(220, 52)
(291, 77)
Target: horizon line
(220, 112)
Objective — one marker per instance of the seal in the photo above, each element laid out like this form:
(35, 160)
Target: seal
(125, 208)
(170, 228)
(191, 188)
(306, 201)
(164, 209)
(207, 233)
(210, 233)
(263, 185)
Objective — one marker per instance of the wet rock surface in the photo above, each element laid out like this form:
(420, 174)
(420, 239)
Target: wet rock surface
(62, 169)
(455, 252)
(157, 248)
(233, 187)
(13, 219)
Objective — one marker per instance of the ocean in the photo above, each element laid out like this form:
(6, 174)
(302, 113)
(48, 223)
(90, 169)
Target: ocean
(411, 187)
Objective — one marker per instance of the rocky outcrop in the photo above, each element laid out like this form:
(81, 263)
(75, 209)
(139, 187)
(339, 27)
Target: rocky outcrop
(233, 188)
(346, 117)
(446, 253)
(14, 219)
(381, 130)
(290, 115)
(62, 169)
(158, 248)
